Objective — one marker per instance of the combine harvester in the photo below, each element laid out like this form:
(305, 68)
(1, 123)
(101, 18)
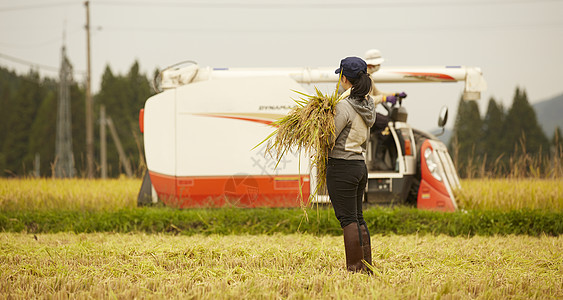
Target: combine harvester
(202, 126)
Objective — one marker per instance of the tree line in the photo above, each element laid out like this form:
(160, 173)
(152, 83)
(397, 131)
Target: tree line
(503, 142)
(28, 118)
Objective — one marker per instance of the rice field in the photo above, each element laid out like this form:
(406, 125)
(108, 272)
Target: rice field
(511, 194)
(115, 194)
(126, 266)
(69, 194)
(292, 266)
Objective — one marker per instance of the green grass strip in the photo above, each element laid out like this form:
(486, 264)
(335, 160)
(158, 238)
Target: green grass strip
(269, 221)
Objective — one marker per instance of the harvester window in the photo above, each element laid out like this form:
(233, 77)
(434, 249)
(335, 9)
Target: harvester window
(382, 151)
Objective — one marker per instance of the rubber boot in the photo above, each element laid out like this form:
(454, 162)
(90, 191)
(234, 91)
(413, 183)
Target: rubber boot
(353, 248)
(366, 246)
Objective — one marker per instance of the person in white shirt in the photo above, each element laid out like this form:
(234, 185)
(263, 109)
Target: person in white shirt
(374, 59)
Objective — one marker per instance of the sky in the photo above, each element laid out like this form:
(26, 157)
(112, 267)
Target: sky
(516, 43)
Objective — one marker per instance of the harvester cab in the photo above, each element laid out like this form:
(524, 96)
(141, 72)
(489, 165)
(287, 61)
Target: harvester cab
(409, 166)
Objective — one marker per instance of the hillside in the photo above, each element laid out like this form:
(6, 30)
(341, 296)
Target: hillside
(549, 114)
(445, 137)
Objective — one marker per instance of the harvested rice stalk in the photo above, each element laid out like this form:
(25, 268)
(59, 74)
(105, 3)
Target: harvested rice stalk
(308, 127)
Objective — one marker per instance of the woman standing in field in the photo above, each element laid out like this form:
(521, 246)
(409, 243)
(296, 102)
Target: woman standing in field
(346, 168)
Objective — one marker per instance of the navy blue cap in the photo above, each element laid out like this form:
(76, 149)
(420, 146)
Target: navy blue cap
(351, 67)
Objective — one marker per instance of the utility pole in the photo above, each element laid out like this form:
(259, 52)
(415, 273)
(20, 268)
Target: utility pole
(89, 104)
(103, 147)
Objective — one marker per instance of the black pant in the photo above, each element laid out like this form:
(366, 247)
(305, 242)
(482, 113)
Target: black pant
(346, 181)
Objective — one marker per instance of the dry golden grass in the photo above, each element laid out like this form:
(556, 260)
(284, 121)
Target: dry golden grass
(72, 194)
(115, 194)
(296, 266)
(127, 266)
(509, 194)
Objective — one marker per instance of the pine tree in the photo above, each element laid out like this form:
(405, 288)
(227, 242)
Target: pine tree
(108, 96)
(43, 130)
(123, 97)
(78, 111)
(556, 154)
(556, 144)
(140, 91)
(467, 136)
(556, 139)
(493, 133)
(9, 83)
(20, 115)
(522, 131)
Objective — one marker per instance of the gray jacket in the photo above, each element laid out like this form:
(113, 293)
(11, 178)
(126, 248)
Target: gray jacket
(352, 119)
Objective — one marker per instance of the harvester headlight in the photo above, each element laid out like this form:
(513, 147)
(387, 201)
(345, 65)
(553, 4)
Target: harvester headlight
(432, 164)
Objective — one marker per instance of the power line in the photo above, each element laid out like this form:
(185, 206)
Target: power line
(29, 63)
(36, 65)
(36, 6)
(229, 30)
(38, 44)
(35, 45)
(262, 5)
(316, 5)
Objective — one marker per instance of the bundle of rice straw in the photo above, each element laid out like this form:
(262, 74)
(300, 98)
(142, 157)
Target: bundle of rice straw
(308, 127)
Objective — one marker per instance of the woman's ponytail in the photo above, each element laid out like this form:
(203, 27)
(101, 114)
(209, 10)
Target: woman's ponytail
(361, 85)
